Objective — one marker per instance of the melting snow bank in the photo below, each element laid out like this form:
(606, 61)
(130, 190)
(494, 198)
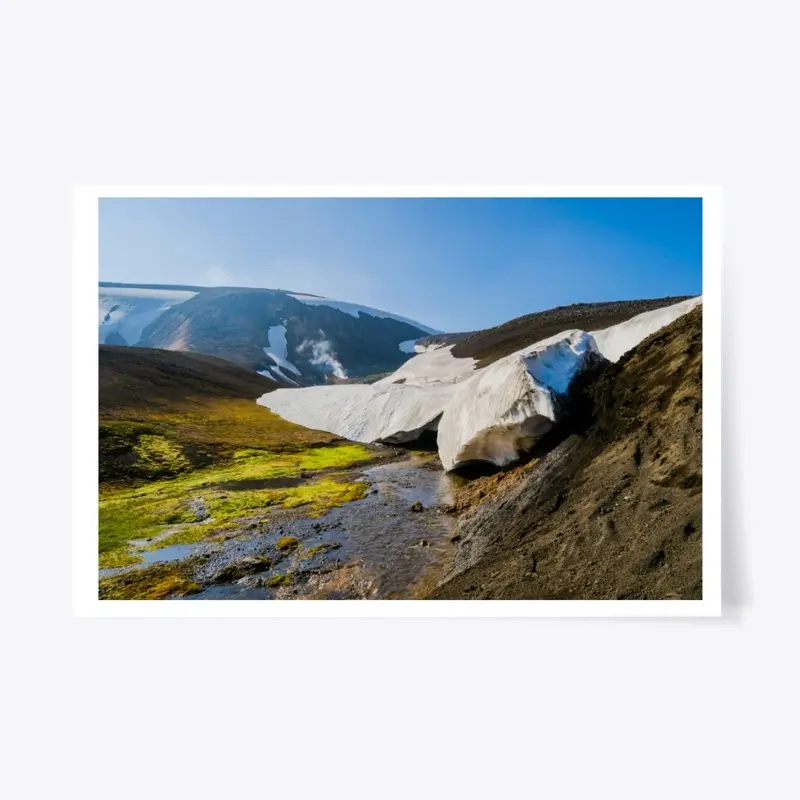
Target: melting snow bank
(431, 367)
(492, 415)
(364, 413)
(506, 407)
(615, 341)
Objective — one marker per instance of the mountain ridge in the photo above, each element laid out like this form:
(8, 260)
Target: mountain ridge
(297, 339)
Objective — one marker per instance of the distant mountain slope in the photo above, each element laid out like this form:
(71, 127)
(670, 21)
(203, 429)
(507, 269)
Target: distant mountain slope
(295, 339)
(612, 511)
(125, 311)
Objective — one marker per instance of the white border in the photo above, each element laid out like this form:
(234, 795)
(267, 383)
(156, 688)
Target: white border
(85, 269)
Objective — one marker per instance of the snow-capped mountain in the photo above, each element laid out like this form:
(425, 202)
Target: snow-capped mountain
(296, 339)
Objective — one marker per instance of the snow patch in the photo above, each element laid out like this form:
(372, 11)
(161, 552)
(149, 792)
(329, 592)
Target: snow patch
(354, 310)
(127, 311)
(276, 373)
(408, 347)
(615, 341)
(277, 348)
(433, 367)
(424, 348)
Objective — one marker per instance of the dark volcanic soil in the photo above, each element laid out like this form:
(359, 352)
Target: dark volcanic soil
(138, 376)
(489, 345)
(613, 509)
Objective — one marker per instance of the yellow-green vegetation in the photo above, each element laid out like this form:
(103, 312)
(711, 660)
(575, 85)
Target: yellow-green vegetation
(156, 582)
(142, 512)
(120, 557)
(160, 456)
(279, 580)
(194, 434)
(286, 543)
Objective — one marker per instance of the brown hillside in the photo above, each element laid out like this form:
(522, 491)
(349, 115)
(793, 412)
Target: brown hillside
(136, 376)
(612, 511)
(164, 412)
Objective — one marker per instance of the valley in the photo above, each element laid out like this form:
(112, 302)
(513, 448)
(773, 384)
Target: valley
(501, 464)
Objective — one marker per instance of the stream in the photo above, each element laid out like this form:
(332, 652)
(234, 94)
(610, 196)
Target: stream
(376, 547)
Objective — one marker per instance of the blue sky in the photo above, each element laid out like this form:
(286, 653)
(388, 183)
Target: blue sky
(453, 264)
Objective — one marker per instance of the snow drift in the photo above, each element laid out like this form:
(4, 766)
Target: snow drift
(364, 413)
(615, 341)
(492, 414)
(507, 406)
(432, 367)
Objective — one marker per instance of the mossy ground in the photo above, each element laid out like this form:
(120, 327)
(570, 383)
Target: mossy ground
(140, 444)
(178, 432)
(156, 582)
(149, 510)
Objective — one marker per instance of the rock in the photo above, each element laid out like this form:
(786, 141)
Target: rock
(198, 507)
(456, 537)
(424, 543)
(417, 507)
(239, 569)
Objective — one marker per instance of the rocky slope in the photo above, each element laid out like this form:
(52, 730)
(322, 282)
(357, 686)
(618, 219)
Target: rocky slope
(610, 506)
(294, 339)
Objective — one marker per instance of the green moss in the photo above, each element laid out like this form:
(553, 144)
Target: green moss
(286, 543)
(158, 456)
(279, 580)
(207, 430)
(120, 557)
(157, 582)
(125, 518)
(324, 495)
(190, 534)
(142, 512)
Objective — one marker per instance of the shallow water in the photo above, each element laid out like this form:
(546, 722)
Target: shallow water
(175, 552)
(380, 548)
